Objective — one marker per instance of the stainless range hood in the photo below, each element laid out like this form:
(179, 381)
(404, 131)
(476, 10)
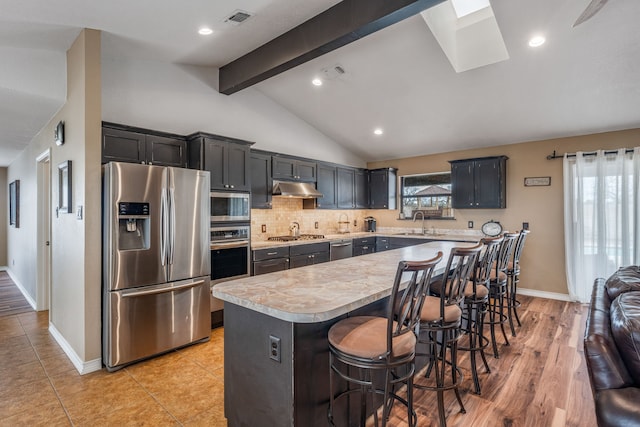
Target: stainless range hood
(300, 190)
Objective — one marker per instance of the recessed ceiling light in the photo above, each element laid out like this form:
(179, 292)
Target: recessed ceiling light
(536, 41)
(205, 31)
(378, 131)
(316, 82)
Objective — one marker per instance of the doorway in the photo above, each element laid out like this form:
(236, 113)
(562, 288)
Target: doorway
(43, 257)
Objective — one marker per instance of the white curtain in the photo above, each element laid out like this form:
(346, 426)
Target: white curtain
(601, 216)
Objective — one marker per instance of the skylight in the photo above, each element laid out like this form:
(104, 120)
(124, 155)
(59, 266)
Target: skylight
(467, 7)
(470, 41)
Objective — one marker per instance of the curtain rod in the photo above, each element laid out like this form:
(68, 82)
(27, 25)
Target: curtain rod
(591, 153)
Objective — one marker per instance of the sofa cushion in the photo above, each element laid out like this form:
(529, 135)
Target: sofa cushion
(625, 326)
(624, 280)
(618, 407)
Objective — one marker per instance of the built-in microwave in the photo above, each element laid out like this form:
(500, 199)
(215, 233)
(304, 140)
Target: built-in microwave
(230, 206)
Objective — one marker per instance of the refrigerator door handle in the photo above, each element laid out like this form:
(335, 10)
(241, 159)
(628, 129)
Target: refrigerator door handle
(163, 226)
(130, 294)
(172, 225)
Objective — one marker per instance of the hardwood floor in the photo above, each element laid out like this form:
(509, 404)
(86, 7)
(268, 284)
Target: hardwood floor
(539, 380)
(11, 299)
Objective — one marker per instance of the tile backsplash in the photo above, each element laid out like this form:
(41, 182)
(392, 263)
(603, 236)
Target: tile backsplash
(285, 210)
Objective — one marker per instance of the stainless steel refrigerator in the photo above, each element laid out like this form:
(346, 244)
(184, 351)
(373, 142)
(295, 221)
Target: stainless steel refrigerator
(156, 260)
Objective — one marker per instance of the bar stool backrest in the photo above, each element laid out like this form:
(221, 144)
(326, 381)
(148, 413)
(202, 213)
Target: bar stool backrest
(406, 302)
(518, 250)
(506, 251)
(486, 259)
(460, 267)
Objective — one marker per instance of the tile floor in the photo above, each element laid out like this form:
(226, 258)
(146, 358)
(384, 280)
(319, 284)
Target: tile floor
(39, 386)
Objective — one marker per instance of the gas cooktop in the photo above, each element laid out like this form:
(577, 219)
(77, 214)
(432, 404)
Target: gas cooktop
(300, 237)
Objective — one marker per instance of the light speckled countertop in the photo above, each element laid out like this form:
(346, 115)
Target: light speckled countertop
(321, 292)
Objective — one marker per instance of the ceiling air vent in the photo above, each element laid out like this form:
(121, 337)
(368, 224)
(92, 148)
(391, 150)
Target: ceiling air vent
(238, 17)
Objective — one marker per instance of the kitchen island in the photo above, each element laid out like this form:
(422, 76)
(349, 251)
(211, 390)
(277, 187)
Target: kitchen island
(276, 352)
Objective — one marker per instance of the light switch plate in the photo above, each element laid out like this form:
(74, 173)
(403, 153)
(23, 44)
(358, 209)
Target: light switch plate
(79, 212)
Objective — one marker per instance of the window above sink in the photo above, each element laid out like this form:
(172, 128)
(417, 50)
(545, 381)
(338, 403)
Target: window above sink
(429, 194)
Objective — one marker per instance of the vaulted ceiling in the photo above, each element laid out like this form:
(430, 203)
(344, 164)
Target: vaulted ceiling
(584, 79)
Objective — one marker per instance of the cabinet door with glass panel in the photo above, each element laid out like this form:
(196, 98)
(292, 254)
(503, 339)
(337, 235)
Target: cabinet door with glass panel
(426, 194)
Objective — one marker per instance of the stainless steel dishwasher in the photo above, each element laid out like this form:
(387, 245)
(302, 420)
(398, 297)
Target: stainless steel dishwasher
(341, 248)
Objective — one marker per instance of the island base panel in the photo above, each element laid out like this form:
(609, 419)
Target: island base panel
(292, 392)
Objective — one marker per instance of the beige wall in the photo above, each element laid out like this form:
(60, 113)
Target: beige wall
(4, 215)
(75, 243)
(542, 207)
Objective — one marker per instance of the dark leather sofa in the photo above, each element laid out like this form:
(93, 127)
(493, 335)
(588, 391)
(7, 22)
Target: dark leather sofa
(612, 348)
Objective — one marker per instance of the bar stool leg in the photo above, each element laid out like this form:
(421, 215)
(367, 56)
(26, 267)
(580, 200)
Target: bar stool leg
(503, 317)
(454, 369)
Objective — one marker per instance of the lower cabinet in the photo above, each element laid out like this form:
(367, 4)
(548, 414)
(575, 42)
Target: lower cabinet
(382, 244)
(364, 245)
(270, 260)
(403, 242)
(313, 253)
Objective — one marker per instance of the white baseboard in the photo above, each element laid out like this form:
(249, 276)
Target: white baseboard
(82, 367)
(26, 295)
(544, 294)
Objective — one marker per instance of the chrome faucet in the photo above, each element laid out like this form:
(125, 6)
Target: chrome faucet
(415, 215)
(294, 229)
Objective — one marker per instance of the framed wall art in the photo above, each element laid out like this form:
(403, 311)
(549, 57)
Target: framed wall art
(537, 181)
(64, 187)
(14, 203)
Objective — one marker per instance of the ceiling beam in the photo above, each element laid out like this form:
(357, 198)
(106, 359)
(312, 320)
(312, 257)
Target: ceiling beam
(339, 25)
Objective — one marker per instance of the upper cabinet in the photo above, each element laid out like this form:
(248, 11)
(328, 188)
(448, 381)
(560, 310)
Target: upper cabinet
(125, 144)
(352, 188)
(293, 169)
(361, 183)
(327, 186)
(479, 183)
(226, 159)
(261, 182)
(382, 188)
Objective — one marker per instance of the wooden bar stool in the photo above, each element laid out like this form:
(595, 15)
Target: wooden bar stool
(440, 321)
(513, 275)
(498, 290)
(359, 346)
(476, 298)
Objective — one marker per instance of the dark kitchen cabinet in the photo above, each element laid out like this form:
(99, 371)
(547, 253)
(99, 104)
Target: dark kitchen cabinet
(226, 159)
(382, 244)
(382, 188)
(327, 186)
(308, 254)
(403, 242)
(479, 183)
(364, 245)
(346, 178)
(293, 169)
(261, 182)
(353, 188)
(133, 145)
(361, 188)
(269, 260)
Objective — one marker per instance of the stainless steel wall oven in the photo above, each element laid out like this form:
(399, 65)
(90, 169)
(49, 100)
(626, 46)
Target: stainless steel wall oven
(230, 254)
